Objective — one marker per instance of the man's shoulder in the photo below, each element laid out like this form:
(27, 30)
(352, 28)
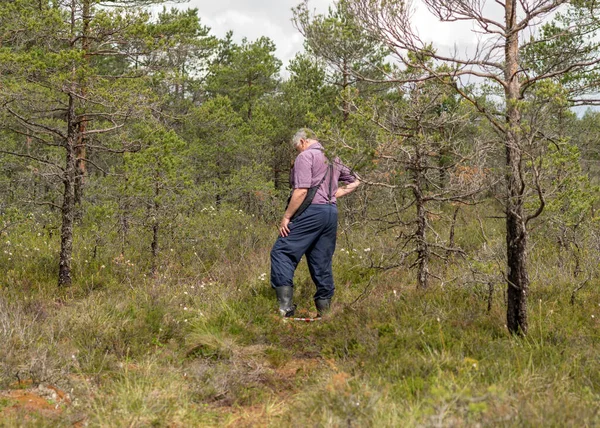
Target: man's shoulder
(309, 154)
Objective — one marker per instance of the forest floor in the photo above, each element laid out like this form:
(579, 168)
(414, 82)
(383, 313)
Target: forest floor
(397, 358)
(200, 343)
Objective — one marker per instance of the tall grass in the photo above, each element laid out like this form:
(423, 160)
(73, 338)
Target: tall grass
(200, 344)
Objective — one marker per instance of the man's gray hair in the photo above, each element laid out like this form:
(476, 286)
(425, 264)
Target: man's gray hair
(303, 134)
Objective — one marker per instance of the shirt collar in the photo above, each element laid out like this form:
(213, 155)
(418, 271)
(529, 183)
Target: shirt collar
(315, 146)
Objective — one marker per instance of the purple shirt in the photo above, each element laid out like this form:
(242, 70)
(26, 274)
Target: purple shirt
(309, 168)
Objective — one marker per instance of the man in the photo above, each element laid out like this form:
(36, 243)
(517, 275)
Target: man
(312, 232)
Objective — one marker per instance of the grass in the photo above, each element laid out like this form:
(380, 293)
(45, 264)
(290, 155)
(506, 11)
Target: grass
(200, 343)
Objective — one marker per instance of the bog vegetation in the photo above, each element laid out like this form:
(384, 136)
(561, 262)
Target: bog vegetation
(144, 167)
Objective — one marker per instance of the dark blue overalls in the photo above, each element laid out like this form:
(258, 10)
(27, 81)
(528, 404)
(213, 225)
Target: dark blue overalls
(312, 233)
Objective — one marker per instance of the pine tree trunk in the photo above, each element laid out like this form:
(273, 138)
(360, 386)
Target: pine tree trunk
(345, 84)
(68, 205)
(154, 245)
(422, 249)
(80, 148)
(124, 217)
(518, 281)
(421, 232)
(516, 230)
(155, 225)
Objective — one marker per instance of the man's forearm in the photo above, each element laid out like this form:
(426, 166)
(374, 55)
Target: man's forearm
(296, 200)
(343, 191)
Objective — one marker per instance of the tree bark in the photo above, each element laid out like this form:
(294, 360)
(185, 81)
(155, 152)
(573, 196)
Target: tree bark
(124, 218)
(68, 205)
(345, 84)
(154, 245)
(421, 232)
(155, 225)
(80, 148)
(516, 230)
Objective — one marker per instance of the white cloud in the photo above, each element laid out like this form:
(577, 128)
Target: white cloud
(273, 18)
(234, 19)
(253, 19)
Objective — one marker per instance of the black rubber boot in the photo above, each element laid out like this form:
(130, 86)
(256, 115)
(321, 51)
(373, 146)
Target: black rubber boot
(284, 297)
(323, 306)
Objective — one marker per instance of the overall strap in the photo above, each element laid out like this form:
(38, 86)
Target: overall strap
(329, 195)
(323, 179)
(330, 170)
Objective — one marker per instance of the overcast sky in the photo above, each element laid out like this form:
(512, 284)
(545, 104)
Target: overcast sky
(255, 18)
(273, 18)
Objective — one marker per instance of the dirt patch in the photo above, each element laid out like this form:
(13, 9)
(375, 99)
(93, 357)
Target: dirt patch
(244, 417)
(44, 400)
(283, 387)
(298, 367)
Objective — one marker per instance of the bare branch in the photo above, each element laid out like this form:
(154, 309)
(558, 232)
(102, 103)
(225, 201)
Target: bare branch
(37, 125)
(135, 147)
(52, 204)
(543, 7)
(582, 64)
(371, 183)
(35, 137)
(102, 131)
(27, 156)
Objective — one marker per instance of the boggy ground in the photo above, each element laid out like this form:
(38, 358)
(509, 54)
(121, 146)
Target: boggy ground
(200, 344)
(398, 357)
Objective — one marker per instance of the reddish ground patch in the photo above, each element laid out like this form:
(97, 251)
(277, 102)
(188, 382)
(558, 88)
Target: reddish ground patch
(261, 415)
(46, 401)
(298, 367)
(244, 417)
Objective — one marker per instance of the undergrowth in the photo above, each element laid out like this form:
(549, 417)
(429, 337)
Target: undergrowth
(199, 342)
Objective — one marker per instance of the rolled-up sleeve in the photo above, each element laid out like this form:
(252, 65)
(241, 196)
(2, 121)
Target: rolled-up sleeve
(346, 175)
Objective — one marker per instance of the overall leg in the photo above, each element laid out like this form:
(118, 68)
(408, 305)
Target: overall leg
(286, 255)
(319, 257)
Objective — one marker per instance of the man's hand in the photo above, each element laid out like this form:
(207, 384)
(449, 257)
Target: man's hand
(284, 229)
(298, 196)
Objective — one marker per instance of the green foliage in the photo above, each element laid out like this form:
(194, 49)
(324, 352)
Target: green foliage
(585, 136)
(203, 335)
(306, 94)
(188, 149)
(217, 137)
(182, 50)
(338, 39)
(230, 156)
(575, 196)
(570, 36)
(350, 54)
(157, 171)
(249, 73)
